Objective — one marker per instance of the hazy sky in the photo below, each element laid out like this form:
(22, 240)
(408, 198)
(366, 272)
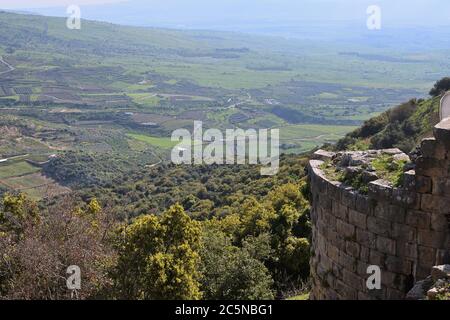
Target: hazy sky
(26, 4)
(216, 13)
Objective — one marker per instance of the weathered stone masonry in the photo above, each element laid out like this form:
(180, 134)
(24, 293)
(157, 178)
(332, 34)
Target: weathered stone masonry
(404, 231)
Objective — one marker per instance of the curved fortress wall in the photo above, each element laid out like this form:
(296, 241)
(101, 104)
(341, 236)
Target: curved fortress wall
(403, 231)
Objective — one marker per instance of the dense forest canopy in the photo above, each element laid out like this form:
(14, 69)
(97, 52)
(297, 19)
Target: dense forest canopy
(261, 237)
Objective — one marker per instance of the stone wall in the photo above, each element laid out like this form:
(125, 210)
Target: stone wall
(404, 231)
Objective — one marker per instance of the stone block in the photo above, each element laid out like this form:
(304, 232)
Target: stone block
(363, 204)
(337, 270)
(377, 258)
(407, 250)
(323, 155)
(386, 245)
(353, 280)
(391, 151)
(340, 243)
(380, 190)
(322, 228)
(431, 167)
(423, 184)
(379, 226)
(442, 133)
(389, 279)
(418, 219)
(441, 187)
(430, 148)
(321, 244)
(361, 269)
(437, 204)
(332, 236)
(405, 198)
(427, 255)
(325, 202)
(390, 213)
(357, 219)
(442, 256)
(321, 185)
(395, 281)
(326, 262)
(347, 261)
(403, 232)
(330, 220)
(422, 272)
(348, 197)
(345, 229)
(352, 248)
(439, 222)
(345, 291)
(331, 295)
(333, 191)
(366, 238)
(340, 211)
(333, 252)
(408, 267)
(430, 238)
(395, 264)
(364, 254)
(409, 180)
(321, 271)
(313, 215)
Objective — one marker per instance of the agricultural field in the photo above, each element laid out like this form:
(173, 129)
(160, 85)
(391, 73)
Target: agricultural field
(16, 169)
(21, 176)
(115, 94)
(302, 138)
(164, 143)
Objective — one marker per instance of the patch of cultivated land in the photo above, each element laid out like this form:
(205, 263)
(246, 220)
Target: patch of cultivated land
(309, 136)
(35, 185)
(84, 91)
(165, 143)
(16, 169)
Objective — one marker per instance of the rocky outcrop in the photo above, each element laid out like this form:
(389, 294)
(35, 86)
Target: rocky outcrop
(434, 287)
(401, 228)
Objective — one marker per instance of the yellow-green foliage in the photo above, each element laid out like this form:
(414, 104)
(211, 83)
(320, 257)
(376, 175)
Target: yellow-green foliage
(282, 214)
(159, 257)
(389, 169)
(304, 296)
(17, 210)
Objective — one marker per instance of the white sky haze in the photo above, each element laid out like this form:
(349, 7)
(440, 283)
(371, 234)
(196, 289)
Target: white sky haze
(205, 13)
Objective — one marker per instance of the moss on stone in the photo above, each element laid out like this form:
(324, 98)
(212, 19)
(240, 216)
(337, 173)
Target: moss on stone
(389, 169)
(384, 165)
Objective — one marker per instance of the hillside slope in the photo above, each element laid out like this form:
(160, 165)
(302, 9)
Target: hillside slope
(401, 127)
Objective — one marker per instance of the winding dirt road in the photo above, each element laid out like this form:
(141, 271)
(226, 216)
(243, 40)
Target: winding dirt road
(10, 67)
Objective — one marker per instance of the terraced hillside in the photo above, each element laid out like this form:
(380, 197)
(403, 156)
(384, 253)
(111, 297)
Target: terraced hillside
(117, 93)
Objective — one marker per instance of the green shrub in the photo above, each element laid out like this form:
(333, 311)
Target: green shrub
(441, 86)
